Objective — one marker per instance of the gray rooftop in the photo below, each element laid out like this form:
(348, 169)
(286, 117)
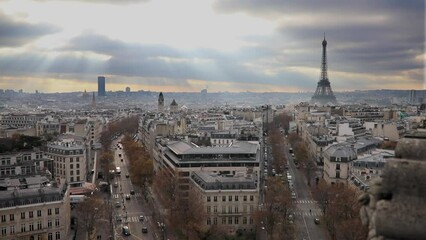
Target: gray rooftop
(214, 181)
(30, 190)
(180, 148)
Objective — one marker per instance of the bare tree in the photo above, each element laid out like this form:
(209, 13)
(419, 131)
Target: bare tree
(90, 211)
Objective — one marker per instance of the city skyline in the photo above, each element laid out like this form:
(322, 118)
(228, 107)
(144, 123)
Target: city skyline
(230, 46)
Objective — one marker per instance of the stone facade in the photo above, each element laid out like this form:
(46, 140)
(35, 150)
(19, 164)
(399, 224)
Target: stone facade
(394, 208)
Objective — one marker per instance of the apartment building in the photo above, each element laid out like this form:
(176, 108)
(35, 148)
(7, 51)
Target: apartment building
(393, 130)
(28, 162)
(34, 208)
(229, 201)
(20, 120)
(69, 159)
(337, 159)
(180, 159)
(48, 125)
(223, 138)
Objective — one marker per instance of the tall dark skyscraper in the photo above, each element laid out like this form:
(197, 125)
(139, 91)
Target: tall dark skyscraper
(324, 95)
(101, 86)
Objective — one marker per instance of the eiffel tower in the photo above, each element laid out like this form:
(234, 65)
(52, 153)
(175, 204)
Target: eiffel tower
(324, 95)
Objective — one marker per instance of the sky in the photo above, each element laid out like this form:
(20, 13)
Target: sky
(221, 45)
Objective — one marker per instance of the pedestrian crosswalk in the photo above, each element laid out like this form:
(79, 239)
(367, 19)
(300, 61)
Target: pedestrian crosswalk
(117, 195)
(315, 213)
(305, 201)
(135, 219)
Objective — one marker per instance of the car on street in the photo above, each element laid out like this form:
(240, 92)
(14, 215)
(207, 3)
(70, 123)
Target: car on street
(126, 230)
(132, 192)
(118, 218)
(117, 204)
(127, 175)
(116, 184)
(127, 196)
(316, 220)
(293, 195)
(144, 230)
(141, 218)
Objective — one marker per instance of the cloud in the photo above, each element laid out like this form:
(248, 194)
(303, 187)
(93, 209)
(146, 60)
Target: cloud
(364, 37)
(15, 33)
(115, 2)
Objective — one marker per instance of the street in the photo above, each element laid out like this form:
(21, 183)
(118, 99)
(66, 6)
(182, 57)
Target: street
(129, 212)
(306, 208)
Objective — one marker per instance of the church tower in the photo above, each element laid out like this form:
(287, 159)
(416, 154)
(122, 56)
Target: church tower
(93, 100)
(161, 102)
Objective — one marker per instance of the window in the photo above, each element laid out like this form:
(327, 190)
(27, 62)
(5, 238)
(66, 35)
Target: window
(236, 209)
(39, 226)
(3, 231)
(23, 228)
(251, 220)
(49, 211)
(12, 229)
(57, 222)
(22, 215)
(337, 174)
(78, 165)
(38, 213)
(3, 218)
(251, 198)
(31, 226)
(244, 220)
(245, 208)
(230, 220)
(50, 237)
(223, 198)
(215, 198)
(215, 220)
(71, 172)
(71, 166)
(223, 209)
(58, 235)
(251, 208)
(208, 209)
(230, 198)
(31, 214)
(229, 209)
(215, 209)
(12, 217)
(337, 166)
(208, 198)
(245, 198)
(236, 198)
(56, 211)
(236, 220)
(49, 223)
(209, 221)
(224, 220)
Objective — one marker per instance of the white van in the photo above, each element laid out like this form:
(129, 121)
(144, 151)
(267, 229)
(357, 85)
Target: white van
(118, 170)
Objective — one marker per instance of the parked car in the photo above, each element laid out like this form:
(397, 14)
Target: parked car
(127, 175)
(127, 196)
(144, 230)
(132, 192)
(117, 204)
(116, 184)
